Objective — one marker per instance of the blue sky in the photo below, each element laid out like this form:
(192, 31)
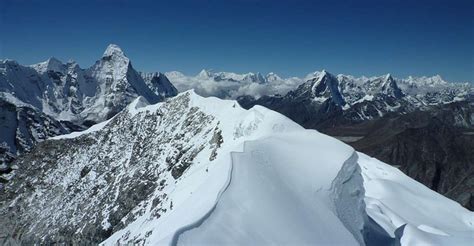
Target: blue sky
(291, 38)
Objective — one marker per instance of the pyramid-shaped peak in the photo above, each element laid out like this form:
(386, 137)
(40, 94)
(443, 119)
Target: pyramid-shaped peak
(113, 50)
(205, 73)
(323, 74)
(53, 60)
(52, 64)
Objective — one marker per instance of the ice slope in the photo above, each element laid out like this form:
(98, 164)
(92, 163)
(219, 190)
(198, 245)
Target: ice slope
(269, 173)
(277, 198)
(394, 200)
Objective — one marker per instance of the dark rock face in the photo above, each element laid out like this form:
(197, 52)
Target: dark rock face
(159, 84)
(93, 185)
(435, 148)
(21, 127)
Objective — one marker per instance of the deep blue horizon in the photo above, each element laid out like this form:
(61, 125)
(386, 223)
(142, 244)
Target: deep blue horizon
(290, 38)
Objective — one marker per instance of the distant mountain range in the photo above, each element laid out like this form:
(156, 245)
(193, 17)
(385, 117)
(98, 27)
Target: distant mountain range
(52, 98)
(378, 115)
(160, 164)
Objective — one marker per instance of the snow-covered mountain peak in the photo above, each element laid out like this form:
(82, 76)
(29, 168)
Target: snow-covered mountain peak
(312, 75)
(326, 86)
(52, 64)
(204, 73)
(322, 74)
(254, 77)
(159, 84)
(390, 87)
(432, 81)
(271, 77)
(113, 50)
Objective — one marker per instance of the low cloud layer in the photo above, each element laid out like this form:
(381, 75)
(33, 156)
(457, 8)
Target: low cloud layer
(231, 89)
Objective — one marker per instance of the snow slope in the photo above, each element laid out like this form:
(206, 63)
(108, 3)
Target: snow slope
(245, 169)
(270, 190)
(394, 200)
(276, 183)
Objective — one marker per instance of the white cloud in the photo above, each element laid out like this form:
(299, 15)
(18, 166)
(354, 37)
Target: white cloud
(208, 86)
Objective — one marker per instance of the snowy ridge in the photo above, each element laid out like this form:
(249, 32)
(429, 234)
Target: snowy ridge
(253, 176)
(394, 200)
(200, 221)
(347, 191)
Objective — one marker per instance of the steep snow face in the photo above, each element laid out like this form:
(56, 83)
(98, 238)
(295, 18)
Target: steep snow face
(52, 64)
(159, 84)
(269, 190)
(118, 83)
(151, 173)
(326, 86)
(419, 216)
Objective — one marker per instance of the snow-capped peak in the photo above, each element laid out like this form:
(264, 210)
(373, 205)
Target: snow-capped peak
(322, 74)
(311, 76)
(272, 77)
(52, 64)
(390, 87)
(254, 77)
(424, 80)
(113, 50)
(326, 86)
(205, 74)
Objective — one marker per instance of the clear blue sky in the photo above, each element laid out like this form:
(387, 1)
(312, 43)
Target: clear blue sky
(291, 38)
